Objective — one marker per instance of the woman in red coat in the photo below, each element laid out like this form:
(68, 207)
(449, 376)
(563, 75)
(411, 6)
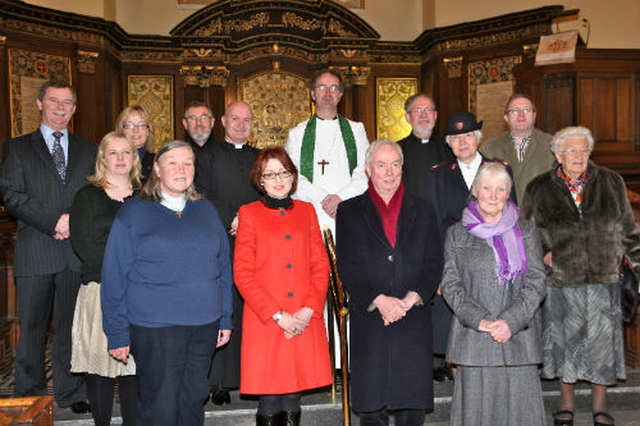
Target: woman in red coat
(282, 271)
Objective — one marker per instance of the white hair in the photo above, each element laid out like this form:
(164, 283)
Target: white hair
(567, 132)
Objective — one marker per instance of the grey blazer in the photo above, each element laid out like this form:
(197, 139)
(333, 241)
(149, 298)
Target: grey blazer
(470, 287)
(35, 195)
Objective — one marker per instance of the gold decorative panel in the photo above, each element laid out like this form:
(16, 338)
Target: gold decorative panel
(155, 94)
(391, 93)
(279, 102)
(27, 72)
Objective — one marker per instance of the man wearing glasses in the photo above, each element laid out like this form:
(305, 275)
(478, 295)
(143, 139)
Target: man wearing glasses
(328, 151)
(421, 149)
(526, 149)
(223, 175)
(198, 122)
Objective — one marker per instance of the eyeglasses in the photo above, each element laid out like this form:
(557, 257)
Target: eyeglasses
(577, 151)
(418, 111)
(333, 88)
(131, 126)
(516, 111)
(272, 175)
(194, 118)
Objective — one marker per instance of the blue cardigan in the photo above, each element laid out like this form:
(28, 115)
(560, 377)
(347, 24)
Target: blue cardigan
(162, 270)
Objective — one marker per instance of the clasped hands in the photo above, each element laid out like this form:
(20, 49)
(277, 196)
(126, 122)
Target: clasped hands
(499, 330)
(393, 309)
(296, 324)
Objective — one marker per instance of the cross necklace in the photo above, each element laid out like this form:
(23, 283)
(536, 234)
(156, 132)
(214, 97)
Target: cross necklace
(324, 162)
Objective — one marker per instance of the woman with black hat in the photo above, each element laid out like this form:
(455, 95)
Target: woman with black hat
(449, 189)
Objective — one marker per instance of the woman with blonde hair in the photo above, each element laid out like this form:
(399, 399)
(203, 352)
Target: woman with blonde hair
(94, 208)
(137, 125)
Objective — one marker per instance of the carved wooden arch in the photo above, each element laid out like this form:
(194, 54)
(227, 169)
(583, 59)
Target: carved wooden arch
(231, 32)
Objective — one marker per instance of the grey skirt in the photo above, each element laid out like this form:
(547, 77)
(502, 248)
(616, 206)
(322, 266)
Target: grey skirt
(582, 334)
(497, 396)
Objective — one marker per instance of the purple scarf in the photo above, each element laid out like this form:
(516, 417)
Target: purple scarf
(504, 238)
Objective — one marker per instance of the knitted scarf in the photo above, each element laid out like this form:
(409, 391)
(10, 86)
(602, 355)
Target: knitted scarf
(504, 238)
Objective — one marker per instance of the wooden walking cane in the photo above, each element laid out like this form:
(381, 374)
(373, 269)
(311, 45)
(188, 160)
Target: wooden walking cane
(340, 304)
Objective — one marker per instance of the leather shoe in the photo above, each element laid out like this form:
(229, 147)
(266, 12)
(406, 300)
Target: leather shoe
(81, 407)
(442, 374)
(220, 397)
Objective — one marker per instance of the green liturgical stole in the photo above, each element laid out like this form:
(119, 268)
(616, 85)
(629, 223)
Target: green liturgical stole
(309, 144)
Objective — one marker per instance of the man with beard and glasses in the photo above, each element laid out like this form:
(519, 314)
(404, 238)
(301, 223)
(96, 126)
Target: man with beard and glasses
(422, 149)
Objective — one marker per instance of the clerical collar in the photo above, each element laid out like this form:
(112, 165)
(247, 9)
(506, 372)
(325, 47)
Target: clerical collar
(422, 140)
(277, 203)
(235, 146)
(335, 117)
(174, 203)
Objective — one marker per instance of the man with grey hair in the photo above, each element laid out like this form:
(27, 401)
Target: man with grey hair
(390, 260)
(422, 149)
(524, 147)
(198, 122)
(39, 177)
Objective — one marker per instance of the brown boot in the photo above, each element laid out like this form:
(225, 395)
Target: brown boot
(269, 419)
(291, 418)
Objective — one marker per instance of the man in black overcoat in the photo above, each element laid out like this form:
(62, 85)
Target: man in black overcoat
(39, 176)
(223, 174)
(390, 259)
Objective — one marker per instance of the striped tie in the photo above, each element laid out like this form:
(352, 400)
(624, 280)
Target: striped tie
(58, 155)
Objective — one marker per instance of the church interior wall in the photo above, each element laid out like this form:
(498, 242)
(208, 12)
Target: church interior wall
(394, 20)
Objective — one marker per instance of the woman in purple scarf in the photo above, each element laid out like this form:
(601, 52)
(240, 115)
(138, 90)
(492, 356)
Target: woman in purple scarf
(493, 281)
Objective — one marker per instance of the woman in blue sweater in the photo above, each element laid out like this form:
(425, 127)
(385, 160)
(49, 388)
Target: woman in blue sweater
(166, 290)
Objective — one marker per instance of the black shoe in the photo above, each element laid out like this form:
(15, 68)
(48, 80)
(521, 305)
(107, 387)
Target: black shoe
(269, 420)
(603, 416)
(565, 420)
(80, 407)
(442, 374)
(220, 397)
(291, 418)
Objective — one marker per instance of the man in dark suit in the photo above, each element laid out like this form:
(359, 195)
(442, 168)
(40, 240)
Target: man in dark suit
(422, 149)
(390, 260)
(39, 176)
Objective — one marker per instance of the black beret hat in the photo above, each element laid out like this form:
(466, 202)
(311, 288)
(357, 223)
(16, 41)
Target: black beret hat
(461, 122)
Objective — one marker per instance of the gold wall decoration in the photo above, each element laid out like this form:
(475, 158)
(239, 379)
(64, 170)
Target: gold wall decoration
(155, 94)
(27, 72)
(279, 101)
(217, 26)
(204, 76)
(290, 19)
(352, 75)
(453, 66)
(335, 26)
(3, 39)
(391, 93)
(87, 61)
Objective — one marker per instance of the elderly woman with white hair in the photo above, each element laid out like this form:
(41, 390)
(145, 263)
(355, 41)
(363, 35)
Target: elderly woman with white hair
(449, 189)
(587, 226)
(494, 282)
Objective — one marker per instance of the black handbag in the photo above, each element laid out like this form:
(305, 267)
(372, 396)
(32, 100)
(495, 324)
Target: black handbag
(628, 291)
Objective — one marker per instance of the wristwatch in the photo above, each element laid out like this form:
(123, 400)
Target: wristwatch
(278, 316)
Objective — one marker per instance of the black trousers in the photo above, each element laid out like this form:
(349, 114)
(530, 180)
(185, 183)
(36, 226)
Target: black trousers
(171, 366)
(36, 295)
(402, 417)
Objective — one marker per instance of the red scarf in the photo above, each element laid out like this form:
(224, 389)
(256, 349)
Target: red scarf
(388, 212)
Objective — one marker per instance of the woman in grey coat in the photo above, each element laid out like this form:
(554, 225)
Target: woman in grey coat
(494, 282)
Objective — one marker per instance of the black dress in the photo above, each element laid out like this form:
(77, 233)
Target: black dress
(223, 175)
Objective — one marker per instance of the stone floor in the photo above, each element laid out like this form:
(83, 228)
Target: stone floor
(320, 408)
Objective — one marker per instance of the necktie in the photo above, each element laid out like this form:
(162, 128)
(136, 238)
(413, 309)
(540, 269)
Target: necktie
(58, 155)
